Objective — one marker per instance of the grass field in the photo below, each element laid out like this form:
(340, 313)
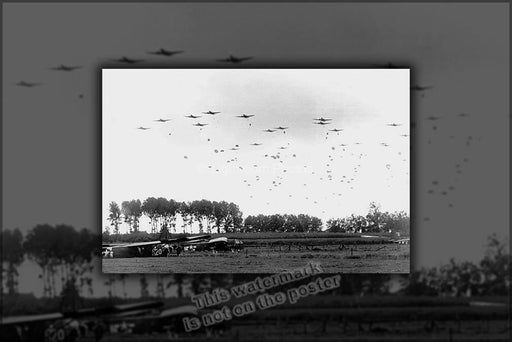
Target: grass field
(263, 258)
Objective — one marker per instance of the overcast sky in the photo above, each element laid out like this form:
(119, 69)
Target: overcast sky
(291, 170)
(51, 137)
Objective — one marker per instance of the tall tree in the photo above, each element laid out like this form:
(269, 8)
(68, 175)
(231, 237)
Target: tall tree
(170, 211)
(64, 255)
(220, 211)
(185, 214)
(39, 245)
(114, 216)
(132, 211)
(195, 213)
(12, 257)
(233, 220)
(375, 218)
(150, 209)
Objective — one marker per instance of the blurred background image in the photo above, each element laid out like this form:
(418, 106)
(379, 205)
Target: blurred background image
(458, 54)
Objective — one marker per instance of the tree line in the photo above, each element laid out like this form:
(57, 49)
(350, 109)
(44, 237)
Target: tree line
(162, 214)
(281, 223)
(63, 254)
(211, 216)
(226, 217)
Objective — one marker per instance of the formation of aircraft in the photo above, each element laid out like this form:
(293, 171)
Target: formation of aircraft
(279, 158)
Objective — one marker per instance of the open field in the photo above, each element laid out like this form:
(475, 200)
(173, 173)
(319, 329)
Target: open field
(367, 258)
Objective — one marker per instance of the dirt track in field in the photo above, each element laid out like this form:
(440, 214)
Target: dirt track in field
(363, 259)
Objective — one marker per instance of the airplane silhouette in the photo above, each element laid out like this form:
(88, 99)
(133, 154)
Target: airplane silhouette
(193, 116)
(321, 123)
(233, 59)
(245, 116)
(336, 130)
(143, 128)
(394, 124)
(127, 60)
(63, 67)
(322, 119)
(164, 52)
(200, 124)
(256, 144)
(281, 128)
(269, 130)
(27, 84)
(211, 113)
(420, 88)
(433, 118)
(163, 120)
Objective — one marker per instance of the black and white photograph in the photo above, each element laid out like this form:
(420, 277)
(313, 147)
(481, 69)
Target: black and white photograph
(73, 145)
(255, 170)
